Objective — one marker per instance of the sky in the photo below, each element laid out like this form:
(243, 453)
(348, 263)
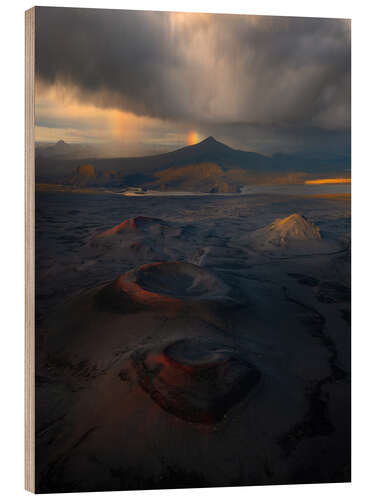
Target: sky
(141, 82)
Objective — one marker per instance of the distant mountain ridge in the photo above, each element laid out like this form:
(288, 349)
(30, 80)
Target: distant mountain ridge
(64, 150)
(209, 166)
(209, 150)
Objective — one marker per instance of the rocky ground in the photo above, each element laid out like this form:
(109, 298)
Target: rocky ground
(192, 342)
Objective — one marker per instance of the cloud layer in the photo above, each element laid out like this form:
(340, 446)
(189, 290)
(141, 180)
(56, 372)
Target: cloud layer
(216, 71)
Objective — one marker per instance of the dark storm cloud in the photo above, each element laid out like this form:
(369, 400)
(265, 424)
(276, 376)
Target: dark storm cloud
(114, 57)
(206, 69)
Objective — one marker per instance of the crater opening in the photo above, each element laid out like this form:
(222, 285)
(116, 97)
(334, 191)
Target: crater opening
(195, 379)
(178, 279)
(165, 286)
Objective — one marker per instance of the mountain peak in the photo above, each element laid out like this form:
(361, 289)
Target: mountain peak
(211, 144)
(210, 140)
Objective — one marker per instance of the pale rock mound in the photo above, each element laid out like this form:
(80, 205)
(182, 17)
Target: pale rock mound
(292, 235)
(295, 227)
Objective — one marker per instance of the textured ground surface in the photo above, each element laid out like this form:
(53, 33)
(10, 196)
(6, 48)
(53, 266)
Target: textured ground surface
(230, 365)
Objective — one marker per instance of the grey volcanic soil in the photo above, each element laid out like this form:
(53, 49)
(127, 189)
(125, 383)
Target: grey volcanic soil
(237, 371)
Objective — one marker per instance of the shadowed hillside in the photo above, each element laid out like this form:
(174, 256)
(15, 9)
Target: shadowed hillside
(209, 166)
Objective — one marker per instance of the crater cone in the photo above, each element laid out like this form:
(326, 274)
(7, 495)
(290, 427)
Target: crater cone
(195, 379)
(159, 284)
(136, 224)
(292, 236)
(294, 228)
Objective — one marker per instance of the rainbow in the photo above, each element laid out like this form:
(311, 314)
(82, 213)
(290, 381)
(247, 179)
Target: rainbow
(193, 137)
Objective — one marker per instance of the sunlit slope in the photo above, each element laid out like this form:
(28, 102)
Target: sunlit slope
(207, 166)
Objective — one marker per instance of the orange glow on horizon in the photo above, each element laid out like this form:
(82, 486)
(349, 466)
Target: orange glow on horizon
(87, 122)
(329, 181)
(192, 137)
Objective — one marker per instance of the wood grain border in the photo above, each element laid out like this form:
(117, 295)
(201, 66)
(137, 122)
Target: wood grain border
(29, 251)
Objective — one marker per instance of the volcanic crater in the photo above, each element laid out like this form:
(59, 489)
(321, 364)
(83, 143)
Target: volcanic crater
(159, 284)
(198, 380)
(135, 224)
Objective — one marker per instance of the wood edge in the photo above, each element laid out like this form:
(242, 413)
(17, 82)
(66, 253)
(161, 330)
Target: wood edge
(29, 251)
